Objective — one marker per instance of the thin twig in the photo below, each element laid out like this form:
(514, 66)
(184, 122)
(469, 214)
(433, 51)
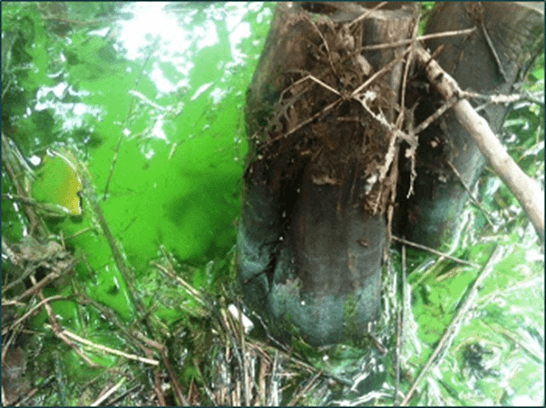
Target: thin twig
(187, 287)
(400, 333)
(182, 400)
(13, 303)
(325, 45)
(163, 350)
(23, 402)
(129, 113)
(518, 341)
(435, 252)
(307, 121)
(108, 393)
(56, 327)
(247, 388)
(410, 118)
(382, 71)
(33, 310)
(158, 391)
(305, 389)
(80, 232)
(436, 115)
(274, 379)
(9, 150)
(453, 327)
(89, 191)
(113, 402)
(494, 52)
(526, 190)
(353, 95)
(366, 14)
(35, 288)
(422, 38)
(474, 200)
(108, 349)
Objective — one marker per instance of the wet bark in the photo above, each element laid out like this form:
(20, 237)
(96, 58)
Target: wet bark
(313, 229)
(319, 183)
(492, 60)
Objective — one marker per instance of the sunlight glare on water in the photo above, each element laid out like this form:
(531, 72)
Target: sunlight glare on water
(175, 34)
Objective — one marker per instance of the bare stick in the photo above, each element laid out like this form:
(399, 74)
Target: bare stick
(474, 199)
(187, 287)
(435, 252)
(400, 326)
(31, 312)
(164, 355)
(526, 190)
(39, 285)
(57, 328)
(422, 38)
(100, 400)
(366, 14)
(108, 349)
(452, 329)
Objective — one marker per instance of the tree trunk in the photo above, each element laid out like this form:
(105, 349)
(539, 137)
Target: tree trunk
(313, 230)
(492, 60)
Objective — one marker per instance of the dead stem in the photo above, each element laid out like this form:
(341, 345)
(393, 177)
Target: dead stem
(29, 313)
(400, 327)
(80, 232)
(158, 390)
(435, 252)
(108, 349)
(89, 192)
(187, 287)
(382, 71)
(325, 45)
(366, 14)
(303, 391)
(103, 398)
(422, 38)
(121, 136)
(455, 324)
(494, 52)
(513, 337)
(342, 98)
(474, 199)
(9, 150)
(164, 355)
(55, 326)
(436, 115)
(45, 281)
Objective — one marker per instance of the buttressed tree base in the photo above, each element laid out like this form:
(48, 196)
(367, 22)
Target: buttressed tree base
(330, 117)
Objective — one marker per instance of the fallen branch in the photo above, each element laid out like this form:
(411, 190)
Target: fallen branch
(526, 190)
(108, 350)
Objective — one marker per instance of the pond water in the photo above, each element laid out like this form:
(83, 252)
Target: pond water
(145, 103)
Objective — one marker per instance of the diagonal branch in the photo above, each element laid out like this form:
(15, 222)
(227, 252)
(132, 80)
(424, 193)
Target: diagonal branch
(526, 190)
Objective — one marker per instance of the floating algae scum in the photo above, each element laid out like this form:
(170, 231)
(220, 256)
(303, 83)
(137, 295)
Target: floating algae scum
(125, 289)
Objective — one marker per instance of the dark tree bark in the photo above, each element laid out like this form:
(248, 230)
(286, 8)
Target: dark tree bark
(492, 60)
(313, 230)
(322, 175)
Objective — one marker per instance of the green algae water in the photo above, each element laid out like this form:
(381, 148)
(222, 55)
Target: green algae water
(143, 104)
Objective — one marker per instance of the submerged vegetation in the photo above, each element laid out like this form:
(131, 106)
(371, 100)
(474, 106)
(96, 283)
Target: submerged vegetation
(122, 155)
